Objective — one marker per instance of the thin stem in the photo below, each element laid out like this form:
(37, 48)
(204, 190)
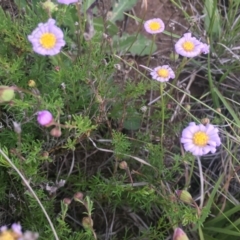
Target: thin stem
(162, 116)
(201, 182)
(151, 49)
(31, 190)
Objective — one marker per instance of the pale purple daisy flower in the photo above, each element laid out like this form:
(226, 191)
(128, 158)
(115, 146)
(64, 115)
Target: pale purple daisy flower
(67, 2)
(162, 73)
(14, 233)
(17, 228)
(188, 46)
(47, 38)
(205, 48)
(44, 118)
(155, 25)
(200, 139)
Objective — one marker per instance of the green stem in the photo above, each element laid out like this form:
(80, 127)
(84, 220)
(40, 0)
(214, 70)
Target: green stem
(179, 70)
(162, 116)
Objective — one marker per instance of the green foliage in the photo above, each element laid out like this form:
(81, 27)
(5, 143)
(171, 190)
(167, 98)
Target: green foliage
(212, 20)
(106, 111)
(139, 45)
(119, 8)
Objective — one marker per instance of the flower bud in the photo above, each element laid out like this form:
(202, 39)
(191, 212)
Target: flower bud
(185, 196)
(31, 83)
(49, 6)
(56, 132)
(67, 201)
(143, 109)
(123, 165)
(57, 68)
(179, 234)
(205, 121)
(44, 118)
(87, 222)
(17, 127)
(188, 107)
(45, 154)
(78, 196)
(6, 93)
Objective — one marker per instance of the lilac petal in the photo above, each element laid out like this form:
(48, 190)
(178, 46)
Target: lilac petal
(187, 134)
(186, 140)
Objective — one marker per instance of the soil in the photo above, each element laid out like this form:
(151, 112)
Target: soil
(9, 6)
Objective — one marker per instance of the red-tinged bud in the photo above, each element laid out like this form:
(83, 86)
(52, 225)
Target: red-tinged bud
(78, 196)
(67, 201)
(185, 196)
(179, 234)
(87, 222)
(44, 118)
(56, 132)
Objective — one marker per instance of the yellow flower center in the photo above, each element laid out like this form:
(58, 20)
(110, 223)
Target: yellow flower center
(163, 73)
(154, 26)
(8, 235)
(200, 139)
(188, 46)
(48, 40)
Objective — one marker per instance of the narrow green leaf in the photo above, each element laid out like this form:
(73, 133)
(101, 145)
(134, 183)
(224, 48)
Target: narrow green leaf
(119, 9)
(223, 231)
(212, 19)
(222, 217)
(227, 105)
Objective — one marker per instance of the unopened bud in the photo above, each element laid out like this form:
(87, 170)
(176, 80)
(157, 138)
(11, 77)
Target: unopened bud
(44, 118)
(143, 109)
(45, 154)
(49, 6)
(31, 83)
(56, 132)
(205, 121)
(67, 201)
(78, 196)
(57, 68)
(179, 234)
(17, 127)
(87, 222)
(117, 66)
(123, 165)
(99, 99)
(6, 94)
(184, 195)
(188, 107)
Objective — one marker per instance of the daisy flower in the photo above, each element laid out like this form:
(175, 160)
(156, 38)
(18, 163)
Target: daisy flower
(188, 46)
(200, 139)
(162, 73)
(14, 233)
(205, 48)
(67, 2)
(47, 39)
(155, 25)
